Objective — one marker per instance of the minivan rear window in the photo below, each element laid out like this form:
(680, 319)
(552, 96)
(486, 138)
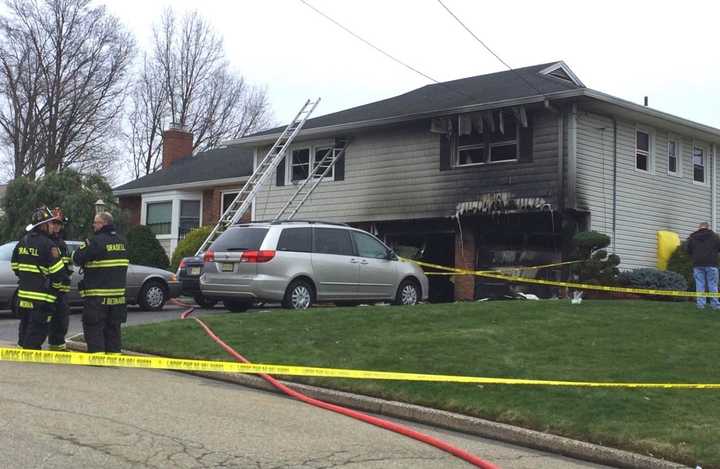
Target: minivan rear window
(240, 238)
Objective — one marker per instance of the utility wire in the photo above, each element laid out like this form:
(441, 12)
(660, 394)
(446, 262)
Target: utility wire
(369, 43)
(488, 49)
(336, 23)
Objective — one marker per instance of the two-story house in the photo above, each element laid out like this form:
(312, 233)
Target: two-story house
(501, 170)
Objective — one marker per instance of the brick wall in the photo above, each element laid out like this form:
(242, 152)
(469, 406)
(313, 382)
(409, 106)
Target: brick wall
(465, 259)
(212, 201)
(176, 144)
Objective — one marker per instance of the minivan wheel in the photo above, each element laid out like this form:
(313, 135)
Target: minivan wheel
(299, 295)
(408, 293)
(237, 306)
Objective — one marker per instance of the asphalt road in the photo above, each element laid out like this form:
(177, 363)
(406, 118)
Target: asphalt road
(74, 416)
(58, 416)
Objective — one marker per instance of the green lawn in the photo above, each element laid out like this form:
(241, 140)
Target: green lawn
(644, 341)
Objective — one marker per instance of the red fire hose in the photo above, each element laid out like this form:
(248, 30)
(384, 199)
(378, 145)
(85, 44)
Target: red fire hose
(397, 428)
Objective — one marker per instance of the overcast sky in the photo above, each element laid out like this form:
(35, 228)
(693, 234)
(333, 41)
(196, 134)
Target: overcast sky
(667, 51)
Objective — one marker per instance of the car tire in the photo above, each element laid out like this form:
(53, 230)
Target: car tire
(236, 306)
(408, 293)
(300, 294)
(153, 295)
(204, 301)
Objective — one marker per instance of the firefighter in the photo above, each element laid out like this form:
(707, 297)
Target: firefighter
(60, 318)
(104, 262)
(38, 264)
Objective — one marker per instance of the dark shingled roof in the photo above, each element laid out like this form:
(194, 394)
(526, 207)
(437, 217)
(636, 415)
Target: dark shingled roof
(220, 163)
(480, 89)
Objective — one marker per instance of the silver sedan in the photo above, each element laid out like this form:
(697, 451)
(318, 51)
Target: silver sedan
(146, 286)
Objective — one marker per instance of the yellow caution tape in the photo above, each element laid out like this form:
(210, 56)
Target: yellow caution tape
(531, 267)
(101, 359)
(579, 286)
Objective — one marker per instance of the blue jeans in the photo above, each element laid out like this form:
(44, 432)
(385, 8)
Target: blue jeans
(706, 276)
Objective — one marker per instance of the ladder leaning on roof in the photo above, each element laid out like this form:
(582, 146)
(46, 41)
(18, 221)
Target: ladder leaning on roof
(322, 168)
(245, 197)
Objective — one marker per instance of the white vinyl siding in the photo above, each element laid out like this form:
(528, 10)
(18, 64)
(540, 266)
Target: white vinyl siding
(646, 202)
(394, 174)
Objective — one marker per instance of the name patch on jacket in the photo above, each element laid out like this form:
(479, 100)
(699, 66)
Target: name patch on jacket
(28, 251)
(114, 247)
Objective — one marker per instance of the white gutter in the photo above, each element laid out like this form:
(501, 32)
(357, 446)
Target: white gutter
(184, 185)
(709, 132)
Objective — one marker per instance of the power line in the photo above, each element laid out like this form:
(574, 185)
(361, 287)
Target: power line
(369, 43)
(336, 23)
(488, 49)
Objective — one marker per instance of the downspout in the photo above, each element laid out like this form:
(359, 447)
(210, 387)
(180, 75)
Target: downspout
(713, 190)
(614, 199)
(572, 160)
(561, 162)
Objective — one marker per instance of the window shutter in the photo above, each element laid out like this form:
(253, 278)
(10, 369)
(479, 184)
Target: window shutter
(445, 151)
(280, 174)
(525, 144)
(340, 163)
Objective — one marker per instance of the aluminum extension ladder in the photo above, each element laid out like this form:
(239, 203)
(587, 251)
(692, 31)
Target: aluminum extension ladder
(269, 163)
(322, 168)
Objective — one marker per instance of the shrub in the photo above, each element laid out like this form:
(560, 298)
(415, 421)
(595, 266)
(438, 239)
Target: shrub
(599, 266)
(653, 279)
(145, 249)
(190, 244)
(681, 263)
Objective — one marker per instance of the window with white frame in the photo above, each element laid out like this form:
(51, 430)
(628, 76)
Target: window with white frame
(189, 216)
(300, 164)
(304, 161)
(227, 199)
(491, 146)
(642, 150)
(159, 218)
(673, 156)
(698, 164)
(320, 154)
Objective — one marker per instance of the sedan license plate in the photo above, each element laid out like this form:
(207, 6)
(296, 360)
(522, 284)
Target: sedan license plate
(227, 267)
(194, 270)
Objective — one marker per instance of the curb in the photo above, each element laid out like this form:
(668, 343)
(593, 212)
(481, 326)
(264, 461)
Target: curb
(448, 420)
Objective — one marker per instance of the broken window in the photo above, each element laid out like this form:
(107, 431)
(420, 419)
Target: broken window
(490, 138)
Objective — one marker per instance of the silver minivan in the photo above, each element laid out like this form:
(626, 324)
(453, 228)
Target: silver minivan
(299, 263)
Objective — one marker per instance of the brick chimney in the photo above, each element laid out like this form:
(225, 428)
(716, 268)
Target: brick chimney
(177, 142)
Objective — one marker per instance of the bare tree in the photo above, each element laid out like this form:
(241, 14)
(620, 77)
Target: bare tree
(146, 120)
(78, 57)
(200, 92)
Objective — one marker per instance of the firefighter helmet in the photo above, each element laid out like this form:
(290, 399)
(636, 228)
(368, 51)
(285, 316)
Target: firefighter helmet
(40, 216)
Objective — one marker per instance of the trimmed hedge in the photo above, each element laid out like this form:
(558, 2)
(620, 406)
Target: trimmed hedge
(653, 279)
(190, 244)
(145, 249)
